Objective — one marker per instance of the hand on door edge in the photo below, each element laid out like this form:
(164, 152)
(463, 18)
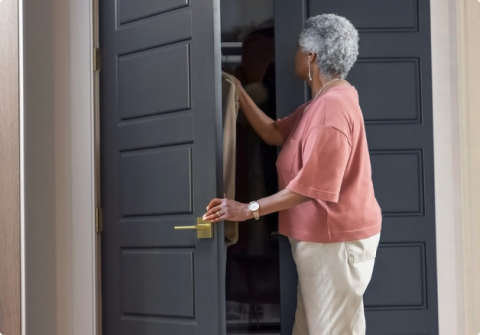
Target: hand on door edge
(226, 209)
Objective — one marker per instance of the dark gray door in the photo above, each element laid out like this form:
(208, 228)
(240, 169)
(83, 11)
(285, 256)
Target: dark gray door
(394, 81)
(160, 118)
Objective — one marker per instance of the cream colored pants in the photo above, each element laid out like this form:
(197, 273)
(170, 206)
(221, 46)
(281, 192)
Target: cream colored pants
(332, 280)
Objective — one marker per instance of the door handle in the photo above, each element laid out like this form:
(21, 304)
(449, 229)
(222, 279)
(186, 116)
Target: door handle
(203, 228)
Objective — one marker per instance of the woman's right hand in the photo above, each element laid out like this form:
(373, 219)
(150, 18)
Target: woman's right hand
(237, 83)
(264, 126)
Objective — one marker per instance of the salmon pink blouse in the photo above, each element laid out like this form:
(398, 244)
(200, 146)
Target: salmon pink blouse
(325, 157)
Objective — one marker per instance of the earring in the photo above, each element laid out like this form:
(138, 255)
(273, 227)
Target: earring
(309, 72)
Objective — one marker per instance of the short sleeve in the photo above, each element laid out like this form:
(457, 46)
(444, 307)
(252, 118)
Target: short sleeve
(325, 157)
(286, 124)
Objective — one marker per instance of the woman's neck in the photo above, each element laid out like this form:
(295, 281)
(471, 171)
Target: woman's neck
(319, 81)
(316, 84)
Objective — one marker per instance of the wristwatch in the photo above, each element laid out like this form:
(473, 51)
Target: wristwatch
(254, 207)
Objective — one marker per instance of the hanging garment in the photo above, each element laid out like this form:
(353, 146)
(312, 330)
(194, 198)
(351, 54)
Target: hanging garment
(258, 52)
(253, 170)
(230, 107)
(252, 274)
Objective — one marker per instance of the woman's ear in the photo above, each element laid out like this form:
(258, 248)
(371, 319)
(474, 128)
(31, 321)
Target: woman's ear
(312, 57)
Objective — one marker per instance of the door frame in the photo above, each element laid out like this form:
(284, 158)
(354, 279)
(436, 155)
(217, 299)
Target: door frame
(72, 214)
(10, 221)
(57, 152)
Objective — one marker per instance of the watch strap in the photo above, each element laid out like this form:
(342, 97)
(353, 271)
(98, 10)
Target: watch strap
(256, 214)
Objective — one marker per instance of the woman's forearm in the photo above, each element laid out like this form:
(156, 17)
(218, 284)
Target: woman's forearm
(279, 201)
(227, 209)
(264, 126)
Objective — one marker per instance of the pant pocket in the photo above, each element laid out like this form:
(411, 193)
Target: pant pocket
(362, 250)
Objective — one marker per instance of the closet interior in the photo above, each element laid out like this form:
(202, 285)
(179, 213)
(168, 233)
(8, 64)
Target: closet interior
(252, 262)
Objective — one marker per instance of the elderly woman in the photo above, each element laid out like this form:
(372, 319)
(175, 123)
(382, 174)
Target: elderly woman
(327, 203)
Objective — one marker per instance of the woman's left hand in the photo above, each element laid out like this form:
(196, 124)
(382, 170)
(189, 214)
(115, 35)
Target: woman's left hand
(226, 209)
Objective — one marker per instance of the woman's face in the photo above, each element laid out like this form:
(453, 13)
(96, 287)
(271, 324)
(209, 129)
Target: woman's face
(301, 64)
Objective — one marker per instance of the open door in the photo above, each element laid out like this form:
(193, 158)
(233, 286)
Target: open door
(160, 121)
(394, 79)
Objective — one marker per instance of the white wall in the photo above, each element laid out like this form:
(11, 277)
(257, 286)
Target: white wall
(446, 120)
(58, 191)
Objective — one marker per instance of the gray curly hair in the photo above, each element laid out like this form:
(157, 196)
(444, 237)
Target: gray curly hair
(335, 41)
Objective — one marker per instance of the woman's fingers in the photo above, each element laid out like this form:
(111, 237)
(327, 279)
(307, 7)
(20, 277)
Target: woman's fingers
(212, 213)
(223, 209)
(223, 217)
(237, 82)
(216, 217)
(213, 210)
(214, 202)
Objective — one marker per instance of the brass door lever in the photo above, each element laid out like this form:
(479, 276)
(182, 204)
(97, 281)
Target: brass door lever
(203, 228)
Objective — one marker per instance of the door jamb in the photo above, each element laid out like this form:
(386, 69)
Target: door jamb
(97, 65)
(10, 167)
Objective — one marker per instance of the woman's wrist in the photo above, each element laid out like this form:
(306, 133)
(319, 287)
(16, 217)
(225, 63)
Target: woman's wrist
(246, 103)
(248, 213)
(241, 94)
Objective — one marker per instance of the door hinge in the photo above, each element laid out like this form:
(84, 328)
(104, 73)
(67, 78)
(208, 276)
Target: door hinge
(97, 59)
(98, 220)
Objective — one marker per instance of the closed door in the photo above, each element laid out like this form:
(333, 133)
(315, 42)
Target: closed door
(394, 81)
(160, 118)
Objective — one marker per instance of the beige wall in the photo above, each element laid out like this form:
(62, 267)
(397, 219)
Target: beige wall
(469, 83)
(58, 154)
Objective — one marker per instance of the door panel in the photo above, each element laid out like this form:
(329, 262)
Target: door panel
(168, 192)
(168, 71)
(150, 290)
(400, 103)
(131, 10)
(393, 78)
(160, 122)
(372, 15)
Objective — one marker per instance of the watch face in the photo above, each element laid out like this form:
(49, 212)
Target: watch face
(253, 206)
